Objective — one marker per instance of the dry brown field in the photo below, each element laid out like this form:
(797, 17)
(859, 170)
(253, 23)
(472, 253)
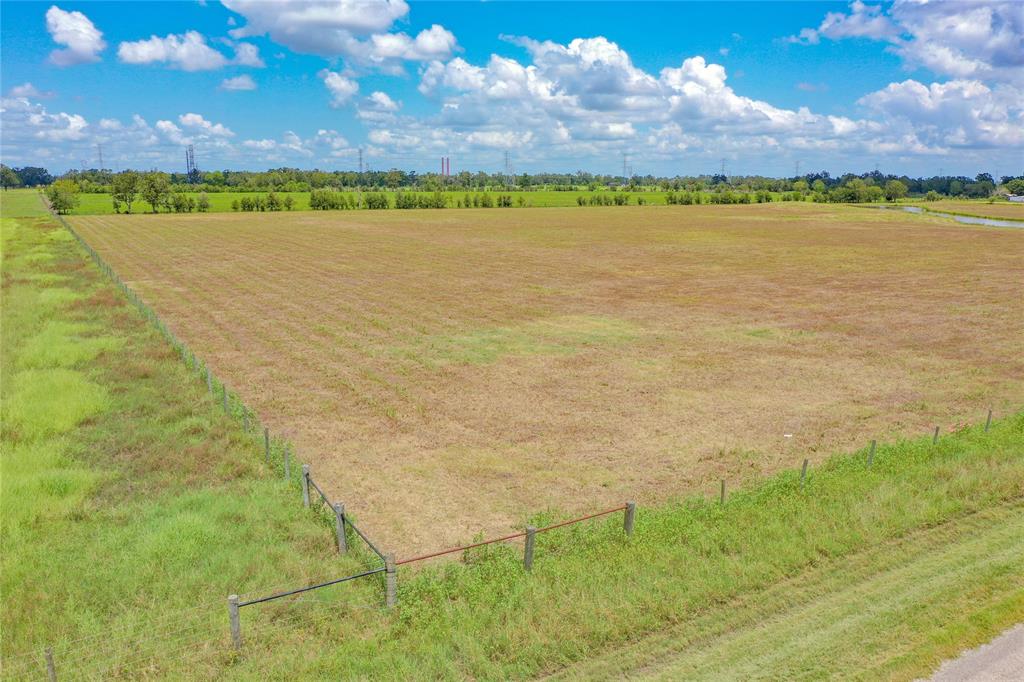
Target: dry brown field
(450, 372)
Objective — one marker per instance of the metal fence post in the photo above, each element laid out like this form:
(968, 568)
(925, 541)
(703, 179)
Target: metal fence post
(339, 522)
(288, 468)
(51, 667)
(236, 622)
(935, 437)
(305, 484)
(803, 474)
(209, 381)
(531, 536)
(988, 421)
(266, 443)
(871, 453)
(630, 517)
(391, 581)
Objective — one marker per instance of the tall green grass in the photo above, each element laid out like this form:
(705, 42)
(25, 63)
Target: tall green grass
(129, 505)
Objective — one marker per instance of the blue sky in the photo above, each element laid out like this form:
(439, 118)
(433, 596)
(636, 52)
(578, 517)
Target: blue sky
(677, 87)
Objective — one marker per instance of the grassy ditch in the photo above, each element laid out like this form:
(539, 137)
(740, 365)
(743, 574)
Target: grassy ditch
(131, 507)
(592, 589)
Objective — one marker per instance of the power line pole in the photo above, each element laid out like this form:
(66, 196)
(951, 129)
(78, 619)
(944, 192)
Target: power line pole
(190, 164)
(99, 151)
(625, 169)
(797, 173)
(360, 165)
(508, 167)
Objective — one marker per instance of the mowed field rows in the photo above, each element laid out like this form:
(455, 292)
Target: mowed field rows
(450, 372)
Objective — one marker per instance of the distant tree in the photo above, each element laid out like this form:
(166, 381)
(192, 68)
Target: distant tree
(1015, 186)
(289, 202)
(273, 202)
(155, 189)
(932, 195)
(62, 195)
(985, 177)
(124, 189)
(203, 203)
(8, 178)
(33, 176)
(894, 189)
(180, 202)
(234, 205)
(801, 185)
(818, 186)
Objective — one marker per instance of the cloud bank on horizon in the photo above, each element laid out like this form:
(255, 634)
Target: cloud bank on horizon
(557, 105)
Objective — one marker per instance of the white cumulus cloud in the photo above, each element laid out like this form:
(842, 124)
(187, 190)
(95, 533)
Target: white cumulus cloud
(980, 39)
(197, 122)
(30, 91)
(359, 30)
(243, 82)
(188, 51)
(82, 41)
(341, 88)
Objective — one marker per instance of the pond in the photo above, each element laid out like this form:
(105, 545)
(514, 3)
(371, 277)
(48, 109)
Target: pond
(968, 219)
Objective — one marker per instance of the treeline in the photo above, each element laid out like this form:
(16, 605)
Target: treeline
(328, 200)
(129, 187)
(297, 180)
(270, 202)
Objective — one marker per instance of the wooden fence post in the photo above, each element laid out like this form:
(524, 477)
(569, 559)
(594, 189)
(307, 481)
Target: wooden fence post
(871, 453)
(245, 420)
(236, 622)
(266, 443)
(305, 484)
(339, 522)
(51, 667)
(209, 381)
(391, 581)
(988, 421)
(531, 535)
(935, 437)
(803, 474)
(288, 470)
(721, 498)
(630, 517)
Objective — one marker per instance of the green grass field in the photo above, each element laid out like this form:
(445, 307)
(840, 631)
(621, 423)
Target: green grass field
(131, 508)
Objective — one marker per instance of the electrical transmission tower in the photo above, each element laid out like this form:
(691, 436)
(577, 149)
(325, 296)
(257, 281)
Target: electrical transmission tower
(508, 167)
(190, 164)
(99, 152)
